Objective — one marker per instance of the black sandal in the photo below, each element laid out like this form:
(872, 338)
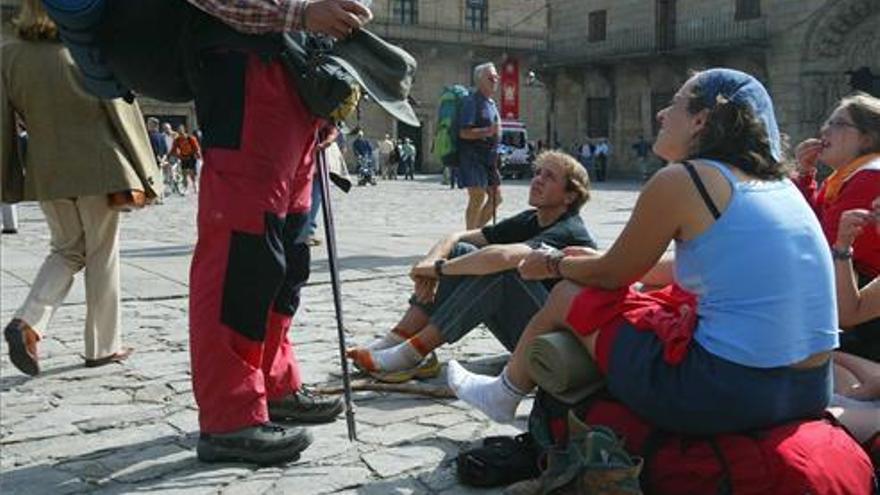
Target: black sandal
(500, 461)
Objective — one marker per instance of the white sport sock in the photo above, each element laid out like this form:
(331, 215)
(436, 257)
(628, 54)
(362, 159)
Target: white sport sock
(390, 339)
(400, 357)
(494, 396)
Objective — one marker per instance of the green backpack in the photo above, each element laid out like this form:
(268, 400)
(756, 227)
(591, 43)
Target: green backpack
(592, 461)
(445, 146)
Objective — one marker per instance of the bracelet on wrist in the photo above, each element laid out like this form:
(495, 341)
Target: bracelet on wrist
(553, 260)
(841, 254)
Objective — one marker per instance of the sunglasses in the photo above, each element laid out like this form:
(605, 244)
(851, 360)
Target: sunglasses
(837, 124)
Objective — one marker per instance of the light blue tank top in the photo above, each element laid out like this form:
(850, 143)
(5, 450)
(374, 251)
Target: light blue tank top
(763, 276)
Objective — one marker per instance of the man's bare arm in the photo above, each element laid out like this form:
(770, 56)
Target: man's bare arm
(444, 247)
(490, 259)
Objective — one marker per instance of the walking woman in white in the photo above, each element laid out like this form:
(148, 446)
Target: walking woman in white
(86, 158)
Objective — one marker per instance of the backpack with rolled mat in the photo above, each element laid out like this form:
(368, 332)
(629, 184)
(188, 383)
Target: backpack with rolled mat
(805, 456)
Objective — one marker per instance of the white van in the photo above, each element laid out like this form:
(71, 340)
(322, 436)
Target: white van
(516, 155)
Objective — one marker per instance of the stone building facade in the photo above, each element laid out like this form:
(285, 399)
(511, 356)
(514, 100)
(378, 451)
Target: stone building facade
(604, 67)
(612, 64)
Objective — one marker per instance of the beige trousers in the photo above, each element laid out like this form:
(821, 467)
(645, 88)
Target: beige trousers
(84, 234)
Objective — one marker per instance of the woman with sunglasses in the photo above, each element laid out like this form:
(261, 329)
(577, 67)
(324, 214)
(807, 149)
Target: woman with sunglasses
(848, 143)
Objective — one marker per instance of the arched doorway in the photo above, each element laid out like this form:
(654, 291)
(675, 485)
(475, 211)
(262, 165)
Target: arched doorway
(841, 43)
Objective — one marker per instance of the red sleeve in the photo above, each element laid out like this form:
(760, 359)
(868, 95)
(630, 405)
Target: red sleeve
(857, 193)
(808, 187)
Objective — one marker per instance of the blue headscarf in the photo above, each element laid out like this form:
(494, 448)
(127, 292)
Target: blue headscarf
(742, 89)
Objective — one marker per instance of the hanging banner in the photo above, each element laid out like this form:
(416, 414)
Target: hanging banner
(510, 89)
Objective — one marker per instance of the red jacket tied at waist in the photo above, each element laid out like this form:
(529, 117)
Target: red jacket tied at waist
(670, 312)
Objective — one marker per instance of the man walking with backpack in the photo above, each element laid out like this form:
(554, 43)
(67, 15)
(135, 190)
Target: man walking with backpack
(479, 133)
(186, 148)
(259, 142)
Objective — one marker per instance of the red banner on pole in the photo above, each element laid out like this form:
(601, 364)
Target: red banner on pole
(510, 89)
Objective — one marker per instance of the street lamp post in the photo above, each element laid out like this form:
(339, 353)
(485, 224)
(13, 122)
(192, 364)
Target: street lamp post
(532, 80)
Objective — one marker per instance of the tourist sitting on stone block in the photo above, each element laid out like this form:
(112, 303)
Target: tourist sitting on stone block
(470, 277)
(752, 346)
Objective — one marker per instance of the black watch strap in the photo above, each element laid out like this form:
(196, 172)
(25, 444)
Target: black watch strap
(438, 267)
(842, 254)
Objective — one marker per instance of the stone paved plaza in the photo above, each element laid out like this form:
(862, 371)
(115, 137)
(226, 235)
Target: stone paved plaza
(131, 428)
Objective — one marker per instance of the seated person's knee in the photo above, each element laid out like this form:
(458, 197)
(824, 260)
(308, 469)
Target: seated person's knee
(563, 294)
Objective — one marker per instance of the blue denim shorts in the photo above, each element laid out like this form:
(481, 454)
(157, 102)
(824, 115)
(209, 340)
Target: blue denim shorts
(705, 394)
(472, 176)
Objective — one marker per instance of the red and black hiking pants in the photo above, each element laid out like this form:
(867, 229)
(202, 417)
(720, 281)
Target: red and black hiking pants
(246, 270)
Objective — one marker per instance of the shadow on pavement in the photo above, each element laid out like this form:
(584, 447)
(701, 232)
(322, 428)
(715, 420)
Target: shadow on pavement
(368, 262)
(163, 464)
(158, 252)
(9, 382)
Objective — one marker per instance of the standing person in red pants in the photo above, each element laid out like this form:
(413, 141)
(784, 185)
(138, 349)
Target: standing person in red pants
(258, 148)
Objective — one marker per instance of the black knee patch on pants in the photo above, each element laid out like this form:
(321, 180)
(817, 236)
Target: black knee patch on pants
(297, 258)
(254, 272)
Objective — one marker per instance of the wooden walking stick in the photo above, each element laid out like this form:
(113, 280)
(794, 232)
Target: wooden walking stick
(330, 234)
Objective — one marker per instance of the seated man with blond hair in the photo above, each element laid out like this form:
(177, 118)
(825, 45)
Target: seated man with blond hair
(470, 277)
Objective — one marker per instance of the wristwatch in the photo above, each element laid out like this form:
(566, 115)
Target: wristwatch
(842, 254)
(438, 267)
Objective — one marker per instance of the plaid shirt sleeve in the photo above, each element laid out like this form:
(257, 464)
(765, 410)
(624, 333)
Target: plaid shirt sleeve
(256, 16)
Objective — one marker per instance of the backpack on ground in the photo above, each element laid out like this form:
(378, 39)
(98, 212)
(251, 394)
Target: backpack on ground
(445, 145)
(810, 456)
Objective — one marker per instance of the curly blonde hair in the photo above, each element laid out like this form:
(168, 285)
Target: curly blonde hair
(33, 23)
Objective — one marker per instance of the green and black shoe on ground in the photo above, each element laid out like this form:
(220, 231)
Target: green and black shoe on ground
(265, 444)
(303, 406)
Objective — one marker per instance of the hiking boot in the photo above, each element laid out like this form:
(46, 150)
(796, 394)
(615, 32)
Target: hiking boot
(264, 445)
(303, 406)
(22, 342)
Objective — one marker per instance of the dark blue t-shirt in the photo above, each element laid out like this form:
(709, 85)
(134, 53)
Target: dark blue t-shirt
(157, 142)
(362, 147)
(478, 111)
(567, 230)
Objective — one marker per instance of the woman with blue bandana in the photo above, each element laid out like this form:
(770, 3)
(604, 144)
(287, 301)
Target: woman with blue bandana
(742, 336)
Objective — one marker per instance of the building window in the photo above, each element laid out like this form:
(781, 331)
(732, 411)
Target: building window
(659, 101)
(598, 117)
(405, 11)
(476, 15)
(748, 9)
(597, 26)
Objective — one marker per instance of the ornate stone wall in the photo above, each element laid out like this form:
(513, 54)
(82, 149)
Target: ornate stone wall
(844, 37)
(802, 54)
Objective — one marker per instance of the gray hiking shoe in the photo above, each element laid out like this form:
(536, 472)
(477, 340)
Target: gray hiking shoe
(303, 406)
(264, 444)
